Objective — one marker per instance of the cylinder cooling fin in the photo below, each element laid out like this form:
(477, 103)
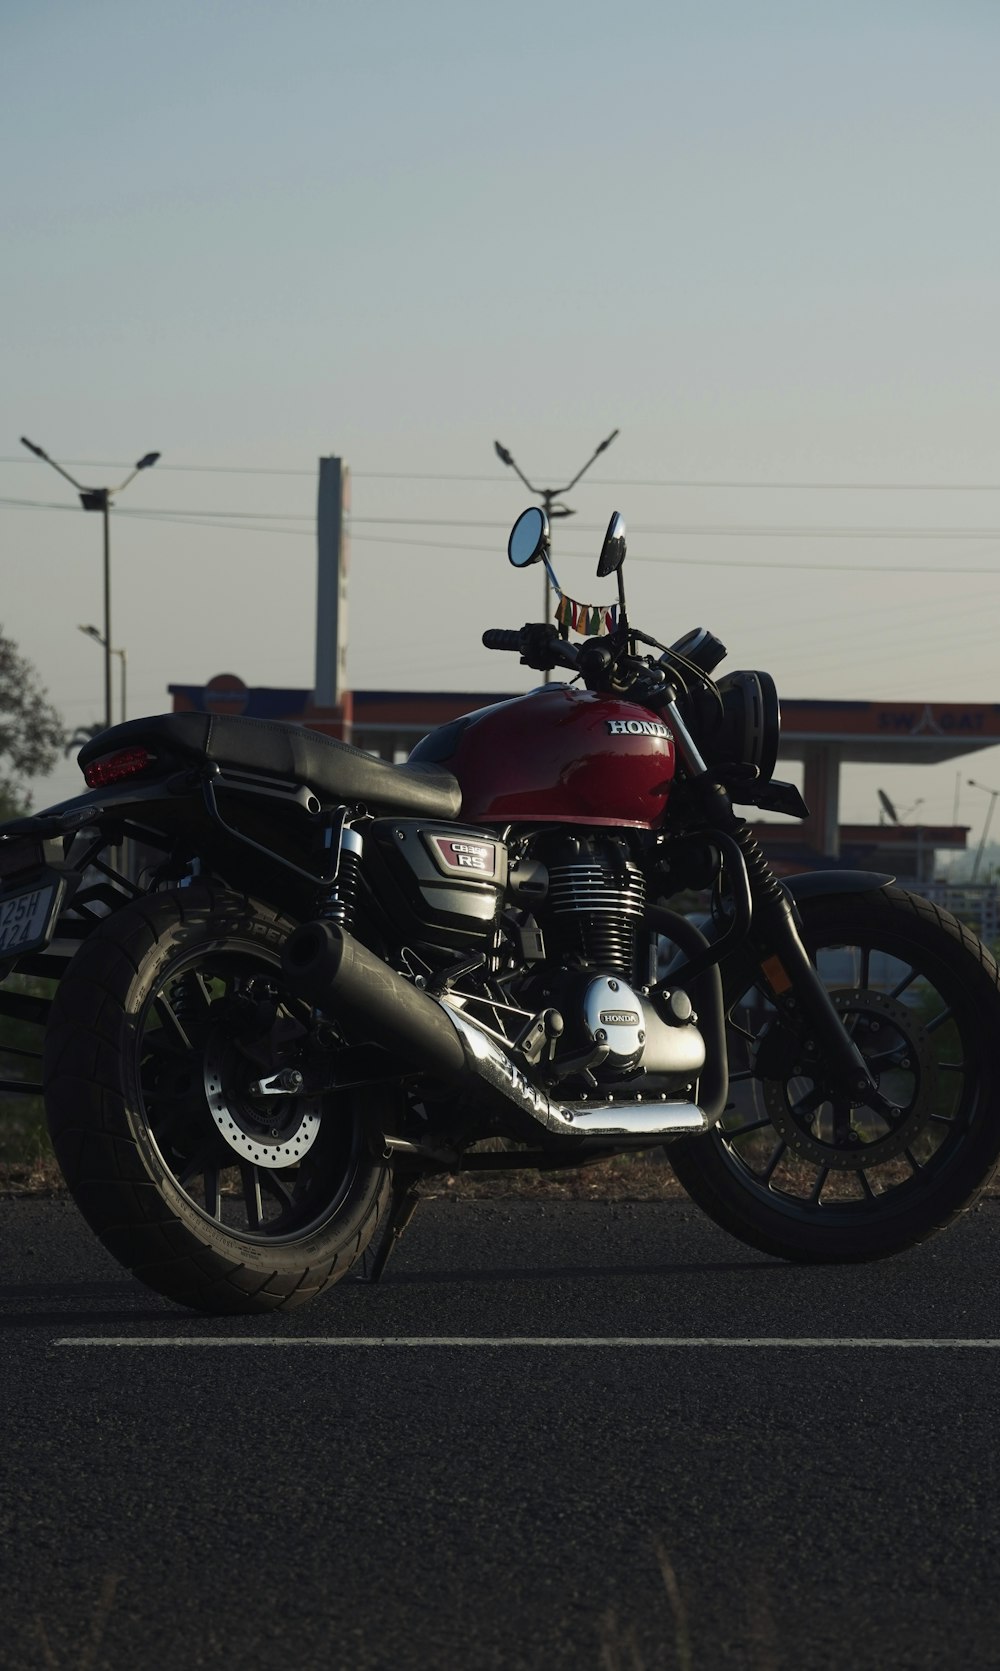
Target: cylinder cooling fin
(594, 913)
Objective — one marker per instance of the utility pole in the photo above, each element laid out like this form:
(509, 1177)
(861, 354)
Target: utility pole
(99, 499)
(550, 497)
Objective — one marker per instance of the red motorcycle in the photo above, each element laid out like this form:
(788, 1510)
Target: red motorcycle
(320, 978)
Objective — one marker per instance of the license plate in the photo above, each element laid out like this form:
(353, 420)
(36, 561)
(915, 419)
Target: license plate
(24, 918)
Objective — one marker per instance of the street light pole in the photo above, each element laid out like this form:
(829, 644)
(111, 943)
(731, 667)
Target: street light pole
(994, 795)
(99, 499)
(106, 513)
(97, 636)
(549, 496)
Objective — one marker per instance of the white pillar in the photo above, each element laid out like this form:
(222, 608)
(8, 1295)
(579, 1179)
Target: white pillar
(821, 789)
(332, 556)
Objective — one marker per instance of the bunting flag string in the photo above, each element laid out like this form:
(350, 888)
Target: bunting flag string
(591, 620)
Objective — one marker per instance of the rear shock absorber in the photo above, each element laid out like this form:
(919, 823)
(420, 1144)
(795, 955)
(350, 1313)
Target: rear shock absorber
(337, 904)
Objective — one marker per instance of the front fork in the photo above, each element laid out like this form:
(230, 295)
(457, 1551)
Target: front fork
(772, 946)
(803, 1002)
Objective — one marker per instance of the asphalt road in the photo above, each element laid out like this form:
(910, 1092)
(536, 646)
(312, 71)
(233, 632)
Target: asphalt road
(623, 1507)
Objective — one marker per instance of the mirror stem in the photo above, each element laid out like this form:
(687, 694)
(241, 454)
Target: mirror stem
(622, 612)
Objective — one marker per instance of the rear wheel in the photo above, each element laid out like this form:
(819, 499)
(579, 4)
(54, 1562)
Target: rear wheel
(217, 1195)
(799, 1172)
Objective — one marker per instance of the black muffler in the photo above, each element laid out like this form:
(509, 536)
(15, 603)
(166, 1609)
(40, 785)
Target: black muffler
(331, 970)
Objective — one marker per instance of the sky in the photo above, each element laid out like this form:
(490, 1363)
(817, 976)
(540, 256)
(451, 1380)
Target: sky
(758, 237)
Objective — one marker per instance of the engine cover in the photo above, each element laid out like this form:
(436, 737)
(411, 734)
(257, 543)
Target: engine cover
(614, 1035)
(613, 1015)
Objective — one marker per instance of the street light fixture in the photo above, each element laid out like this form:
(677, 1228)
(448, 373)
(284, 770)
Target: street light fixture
(548, 496)
(99, 499)
(98, 637)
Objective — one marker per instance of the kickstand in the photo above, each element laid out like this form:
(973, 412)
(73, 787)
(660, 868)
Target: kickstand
(403, 1203)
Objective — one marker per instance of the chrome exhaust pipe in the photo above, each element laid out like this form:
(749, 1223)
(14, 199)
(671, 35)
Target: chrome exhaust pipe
(332, 970)
(652, 1121)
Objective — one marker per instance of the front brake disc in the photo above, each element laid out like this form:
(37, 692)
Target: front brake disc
(820, 1124)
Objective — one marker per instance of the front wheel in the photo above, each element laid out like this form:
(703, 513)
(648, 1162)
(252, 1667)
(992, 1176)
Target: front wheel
(799, 1172)
(161, 1033)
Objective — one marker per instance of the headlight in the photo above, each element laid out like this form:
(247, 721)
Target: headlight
(749, 728)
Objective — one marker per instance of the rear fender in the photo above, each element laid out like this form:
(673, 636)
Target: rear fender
(113, 800)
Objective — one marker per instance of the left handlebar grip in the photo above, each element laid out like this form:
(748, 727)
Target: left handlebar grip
(501, 638)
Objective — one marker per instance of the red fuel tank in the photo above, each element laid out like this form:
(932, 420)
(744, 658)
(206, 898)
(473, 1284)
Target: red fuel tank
(558, 755)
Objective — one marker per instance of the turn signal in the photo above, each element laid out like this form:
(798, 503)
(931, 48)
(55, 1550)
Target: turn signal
(112, 768)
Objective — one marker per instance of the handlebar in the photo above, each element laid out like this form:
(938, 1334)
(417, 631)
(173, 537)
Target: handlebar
(501, 638)
(539, 645)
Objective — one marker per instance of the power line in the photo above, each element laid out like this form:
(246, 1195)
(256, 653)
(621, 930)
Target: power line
(596, 481)
(720, 530)
(194, 519)
(239, 519)
(716, 562)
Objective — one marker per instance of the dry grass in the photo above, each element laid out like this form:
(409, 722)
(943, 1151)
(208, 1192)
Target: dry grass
(27, 1164)
(40, 1176)
(29, 1168)
(644, 1177)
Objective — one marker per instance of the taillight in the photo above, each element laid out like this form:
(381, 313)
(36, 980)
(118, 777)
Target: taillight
(112, 768)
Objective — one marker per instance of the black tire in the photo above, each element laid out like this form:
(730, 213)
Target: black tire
(148, 1035)
(922, 997)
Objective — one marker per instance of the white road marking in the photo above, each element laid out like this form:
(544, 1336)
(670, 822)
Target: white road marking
(663, 1342)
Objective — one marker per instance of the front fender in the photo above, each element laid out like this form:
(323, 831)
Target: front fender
(811, 884)
(741, 969)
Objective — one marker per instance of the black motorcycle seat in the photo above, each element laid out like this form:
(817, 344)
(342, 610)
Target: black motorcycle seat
(291, 752)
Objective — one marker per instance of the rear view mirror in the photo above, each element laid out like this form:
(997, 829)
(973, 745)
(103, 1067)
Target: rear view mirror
(529, 538)
(613, 550)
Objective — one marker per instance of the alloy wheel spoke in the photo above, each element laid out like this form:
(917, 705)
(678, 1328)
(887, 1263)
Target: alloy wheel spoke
(866, 959)
(168, 1014)
(198, 1163)
(773, 1162)
(274, 1186)
(938, 1021)
(889, 1054)
(732, 1132)
(908, 980)
(808, 1102)
(251, 1195)
(213, 1191)
(817, 1189)
(865, 1185)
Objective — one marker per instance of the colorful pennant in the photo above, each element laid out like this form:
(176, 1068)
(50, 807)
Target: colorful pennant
(591, 620)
